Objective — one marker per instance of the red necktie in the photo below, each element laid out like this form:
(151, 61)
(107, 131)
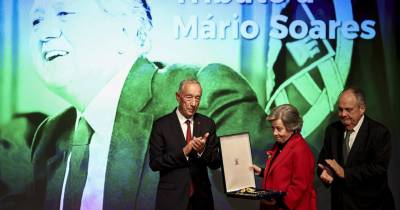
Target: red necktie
(188, 132)
(188, 138)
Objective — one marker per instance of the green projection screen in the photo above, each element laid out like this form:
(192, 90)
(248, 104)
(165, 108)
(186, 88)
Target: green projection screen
(302, 52)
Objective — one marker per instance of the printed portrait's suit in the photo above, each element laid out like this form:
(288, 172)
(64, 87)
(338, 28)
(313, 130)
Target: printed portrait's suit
(148, 93)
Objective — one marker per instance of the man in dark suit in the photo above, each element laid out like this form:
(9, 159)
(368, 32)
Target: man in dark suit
(355, 157)
(182, 158)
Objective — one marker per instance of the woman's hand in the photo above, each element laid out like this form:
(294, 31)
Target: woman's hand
(270, 202)
(256, 169)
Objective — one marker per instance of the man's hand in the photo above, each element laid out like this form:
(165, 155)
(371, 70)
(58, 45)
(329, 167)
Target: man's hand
(188, 148)
(199, 143)
(339, 171)
(326, 175)
(256, 169)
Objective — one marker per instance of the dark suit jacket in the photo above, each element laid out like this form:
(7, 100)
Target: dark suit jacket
(166, 156)
(365, 185)
(148, 93)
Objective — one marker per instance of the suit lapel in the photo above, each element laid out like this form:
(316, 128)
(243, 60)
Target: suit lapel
(53, 144)
(136, 92)
(128, 149)
(56, 167)
(339, 138)
(270, 156)
(359, 141)
(283, 155)
(176, 128)
(129, 142)
(196, 126)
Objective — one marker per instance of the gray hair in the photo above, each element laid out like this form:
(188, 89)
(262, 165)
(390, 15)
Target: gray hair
(289, 115)
(190, 80)
(358, 93)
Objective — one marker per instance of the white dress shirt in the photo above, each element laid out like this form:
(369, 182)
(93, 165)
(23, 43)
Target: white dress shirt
(182, 121)
(100, 115)
(353, 135)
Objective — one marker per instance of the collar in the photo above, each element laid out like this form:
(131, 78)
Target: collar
(182, 119)
(100, 112)
(282, 145)
(358, 126)
(140, 79)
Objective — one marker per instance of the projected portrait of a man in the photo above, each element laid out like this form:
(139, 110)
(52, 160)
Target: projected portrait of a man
(95, 154)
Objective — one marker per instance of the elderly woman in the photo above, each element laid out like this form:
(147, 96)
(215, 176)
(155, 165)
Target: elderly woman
(290, 163)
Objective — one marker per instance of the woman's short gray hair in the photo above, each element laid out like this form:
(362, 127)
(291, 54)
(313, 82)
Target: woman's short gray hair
(289, 115)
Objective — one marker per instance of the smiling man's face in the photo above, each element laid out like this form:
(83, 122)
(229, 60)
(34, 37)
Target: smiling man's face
(75, 42)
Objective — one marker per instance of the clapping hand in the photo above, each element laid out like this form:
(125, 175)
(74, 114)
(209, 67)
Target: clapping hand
(256, 169)
(339, 171)
(199, 143)
(326, 175)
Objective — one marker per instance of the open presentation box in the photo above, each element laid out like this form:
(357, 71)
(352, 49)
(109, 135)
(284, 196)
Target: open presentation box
(237, 176)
